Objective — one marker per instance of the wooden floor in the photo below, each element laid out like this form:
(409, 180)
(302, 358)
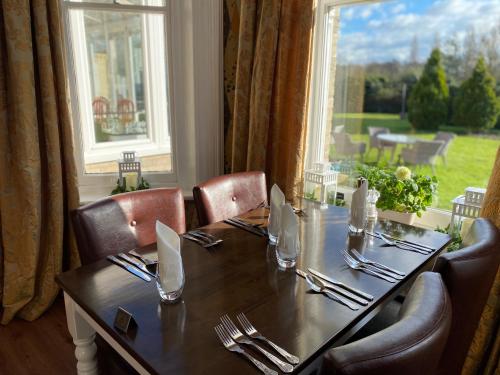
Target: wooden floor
(41, 347)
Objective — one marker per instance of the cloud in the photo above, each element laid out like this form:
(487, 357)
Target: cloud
(398, 8)
(386, 38)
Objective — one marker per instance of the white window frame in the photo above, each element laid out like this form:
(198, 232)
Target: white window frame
(317, 130)
(194, 77)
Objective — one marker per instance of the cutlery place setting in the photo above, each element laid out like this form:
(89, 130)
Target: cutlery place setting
(358, 262)
(402, 244)
(249, 227)
(203, 239)
(234, 340)
(136, 264)
(340, 292)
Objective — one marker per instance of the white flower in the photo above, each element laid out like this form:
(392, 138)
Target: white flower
(403, 173)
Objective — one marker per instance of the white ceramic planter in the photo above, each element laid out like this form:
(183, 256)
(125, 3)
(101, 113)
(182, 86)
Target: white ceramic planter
(400, 217)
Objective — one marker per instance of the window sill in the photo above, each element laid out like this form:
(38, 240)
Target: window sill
(431, 219)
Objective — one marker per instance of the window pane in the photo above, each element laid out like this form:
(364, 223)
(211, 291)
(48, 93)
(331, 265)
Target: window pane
(374, 57)
(122, 88)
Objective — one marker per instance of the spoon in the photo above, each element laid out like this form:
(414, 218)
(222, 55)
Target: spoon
(319, 287)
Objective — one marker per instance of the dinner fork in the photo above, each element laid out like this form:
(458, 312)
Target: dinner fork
(373, 268)
(240, 338)
(198, 241)
(230, 345)
(253, 333)
(362, 259)
(400, 246)
(358, 266)
(201, 235)
(146, 261)
(207, 235)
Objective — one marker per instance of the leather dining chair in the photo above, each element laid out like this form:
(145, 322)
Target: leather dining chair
(468, 274)
(229, 195)
(411, 346)
(126, 221)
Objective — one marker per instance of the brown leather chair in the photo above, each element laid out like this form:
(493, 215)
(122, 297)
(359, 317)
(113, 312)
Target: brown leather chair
(411, 346)
(230, 195)
(468, 274)
(126, 221)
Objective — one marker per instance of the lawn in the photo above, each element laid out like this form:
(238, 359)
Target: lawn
(470, 157)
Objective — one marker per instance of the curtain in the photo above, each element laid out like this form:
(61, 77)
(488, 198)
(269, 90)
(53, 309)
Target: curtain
(266, 72)
(484, 353)
(37, 171)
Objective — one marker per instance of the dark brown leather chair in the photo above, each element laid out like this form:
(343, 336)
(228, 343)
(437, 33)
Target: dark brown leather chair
(468, 274)
(230, 195)
(411, 346)
(126, 221)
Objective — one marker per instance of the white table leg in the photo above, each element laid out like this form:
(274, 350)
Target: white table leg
(83, 337)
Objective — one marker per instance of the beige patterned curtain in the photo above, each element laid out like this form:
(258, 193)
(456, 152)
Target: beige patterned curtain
(37, 171)
(266, 72)
(484, 353)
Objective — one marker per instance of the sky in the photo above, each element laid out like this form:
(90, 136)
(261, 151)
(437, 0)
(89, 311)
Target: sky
(384, 31)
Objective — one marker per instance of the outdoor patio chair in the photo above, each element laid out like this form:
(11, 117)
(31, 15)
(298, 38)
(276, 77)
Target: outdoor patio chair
(422, 153)
(336, 130)
(446, 138)
(344, 146)
(377, 143)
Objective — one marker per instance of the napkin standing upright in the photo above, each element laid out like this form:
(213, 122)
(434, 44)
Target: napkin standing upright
(287, 249)
(170, 273)
(358, 207)
(277, 200)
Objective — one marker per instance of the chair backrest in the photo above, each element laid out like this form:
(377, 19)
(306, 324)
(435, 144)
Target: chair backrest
(229, 195)
(126, 221)
(468, 274)
(339, 129)
(446, 138)
(426, 151)
(411, 346)
(373, 131)
(100, 107)
(343, 143)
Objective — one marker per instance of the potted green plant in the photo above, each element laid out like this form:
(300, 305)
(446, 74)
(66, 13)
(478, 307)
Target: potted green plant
(403, 195)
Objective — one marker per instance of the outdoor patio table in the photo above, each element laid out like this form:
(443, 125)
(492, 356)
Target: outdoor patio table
(395, 139)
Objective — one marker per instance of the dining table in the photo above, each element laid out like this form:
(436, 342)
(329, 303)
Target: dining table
(394, 140)
(240, 275)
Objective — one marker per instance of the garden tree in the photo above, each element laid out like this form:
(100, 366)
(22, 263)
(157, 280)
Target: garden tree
(428, 101)
(476, 106)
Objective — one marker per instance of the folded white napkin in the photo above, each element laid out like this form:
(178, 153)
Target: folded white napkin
(170, 270)
(358, 205)
(289, 244)
(277, 200)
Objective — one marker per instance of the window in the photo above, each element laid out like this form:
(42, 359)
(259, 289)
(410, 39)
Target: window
(368, 58)
(137, 85)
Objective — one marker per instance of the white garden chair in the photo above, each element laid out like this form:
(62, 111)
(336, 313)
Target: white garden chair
(422, 153)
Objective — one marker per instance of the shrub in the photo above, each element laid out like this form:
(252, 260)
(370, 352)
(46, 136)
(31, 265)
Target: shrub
(404, 194)
(476, 105)
(428, 101)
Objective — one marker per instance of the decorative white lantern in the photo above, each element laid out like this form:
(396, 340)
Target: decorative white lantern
(129, 169)
(466, 206)
(321, 176)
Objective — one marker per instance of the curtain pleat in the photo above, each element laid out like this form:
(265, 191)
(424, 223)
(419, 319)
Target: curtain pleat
(38, 183)
(266, 84)
(484, 353)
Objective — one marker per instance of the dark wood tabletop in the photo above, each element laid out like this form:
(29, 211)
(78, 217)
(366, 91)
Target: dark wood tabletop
(242, 275)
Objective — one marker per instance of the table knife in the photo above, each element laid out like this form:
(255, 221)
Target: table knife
(128, 267)
(409, 243)
(135, 262)
(336, 289)
(369, 297)
(245, 227)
